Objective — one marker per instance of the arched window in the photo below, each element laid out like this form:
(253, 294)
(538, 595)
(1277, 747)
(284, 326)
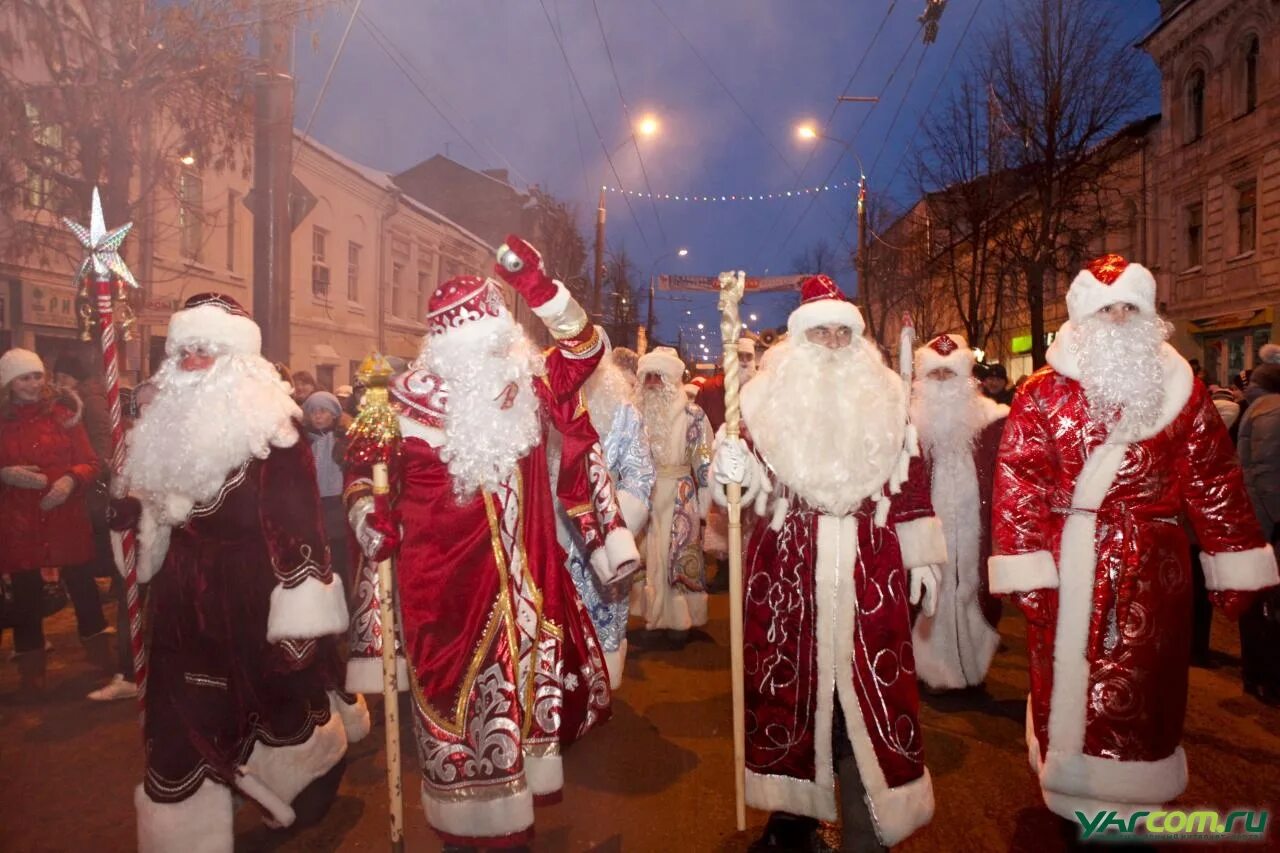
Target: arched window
(1195, 105)
(1251, 51)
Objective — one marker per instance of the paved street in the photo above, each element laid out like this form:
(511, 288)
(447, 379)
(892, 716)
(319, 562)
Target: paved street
(656, 778)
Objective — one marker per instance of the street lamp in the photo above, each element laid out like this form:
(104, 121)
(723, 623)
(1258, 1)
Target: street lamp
(808, 131)
(682, 252)
(647, 126)
(651, 325)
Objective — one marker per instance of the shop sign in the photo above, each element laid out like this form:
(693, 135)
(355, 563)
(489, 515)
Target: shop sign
(50, 305)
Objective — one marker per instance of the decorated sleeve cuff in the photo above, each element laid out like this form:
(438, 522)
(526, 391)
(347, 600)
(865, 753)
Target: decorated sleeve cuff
(1240, 570)
(624, 557)
(635, 512)
(562, 314)
(309, 610)
(1022, 572)
(921, 542)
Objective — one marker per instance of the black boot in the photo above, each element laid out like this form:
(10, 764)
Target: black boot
(787, 832)
(313, 801)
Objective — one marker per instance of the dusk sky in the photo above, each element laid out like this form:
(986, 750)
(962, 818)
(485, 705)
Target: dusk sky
(494, 69)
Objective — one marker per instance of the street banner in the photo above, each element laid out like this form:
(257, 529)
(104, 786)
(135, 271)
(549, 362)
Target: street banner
(711, 284)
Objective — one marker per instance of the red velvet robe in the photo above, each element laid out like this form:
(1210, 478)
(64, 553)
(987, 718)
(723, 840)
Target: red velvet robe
(1094, 522)
(505, 668)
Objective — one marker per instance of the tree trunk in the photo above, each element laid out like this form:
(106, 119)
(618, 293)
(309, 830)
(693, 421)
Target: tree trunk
(1035, 307)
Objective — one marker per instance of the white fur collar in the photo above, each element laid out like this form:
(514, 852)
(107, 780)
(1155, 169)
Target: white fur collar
(1178, 379)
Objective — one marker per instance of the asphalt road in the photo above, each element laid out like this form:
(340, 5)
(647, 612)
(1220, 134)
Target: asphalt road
(656, 778)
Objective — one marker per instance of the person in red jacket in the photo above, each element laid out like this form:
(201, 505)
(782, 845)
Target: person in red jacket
(46, 464)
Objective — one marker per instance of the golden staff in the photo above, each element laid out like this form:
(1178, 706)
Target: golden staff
(732, 286)
(375, 436)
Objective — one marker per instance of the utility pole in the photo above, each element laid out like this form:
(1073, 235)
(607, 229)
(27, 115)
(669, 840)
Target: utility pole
(272, 172)
(599, 278)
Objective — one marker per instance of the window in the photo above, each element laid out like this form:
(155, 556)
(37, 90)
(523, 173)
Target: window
(324, 377)
(1195, 105)
(353, 272)
(233, 198)
(41, 186)
(1246, 217)
(319, 269)
(397, 287)
(191, 214)
(1194, 234)
(420, 296)
(1251, 52)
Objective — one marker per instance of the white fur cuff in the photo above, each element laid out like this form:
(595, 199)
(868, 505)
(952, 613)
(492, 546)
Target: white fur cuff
(480, 818)
(354, 716)
(202, 823)
(555, 306)
(635, 512)
(624, 557)
(1240, 570)
(1022, 572)
(921, 542)
(309, 610)
(364, 675)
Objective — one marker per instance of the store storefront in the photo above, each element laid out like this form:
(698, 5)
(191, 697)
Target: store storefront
(47, 315)
(1229, 343)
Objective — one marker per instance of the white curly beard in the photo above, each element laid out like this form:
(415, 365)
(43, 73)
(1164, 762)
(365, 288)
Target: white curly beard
(483, 441)
(830, 423)
(202, 426)
(659, 406)
(607, 389)
(947, 413)
(1121, 370)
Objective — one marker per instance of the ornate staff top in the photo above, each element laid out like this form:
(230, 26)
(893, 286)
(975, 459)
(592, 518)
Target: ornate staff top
(375, 434)
(103, 245)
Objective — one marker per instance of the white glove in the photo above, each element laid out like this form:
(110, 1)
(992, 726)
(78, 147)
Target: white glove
(367, 538)
(924, 588)
(732, 463)
(24, 477)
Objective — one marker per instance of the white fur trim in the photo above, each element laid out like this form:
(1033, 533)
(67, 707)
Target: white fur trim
(555, 306)
(663, 361)
(117, 550)
(355, 716)
(635, 512)
(211, 323)
(286, 770)
(1022, 572)
(1251, 569)
(599, 562)
(364, 675)
(202, 823)
(480, 818)
(18, 362)
(477, 329)
(544, 773)
(614, 663)
(410, 428)
(1087, 295)
(309, 610)
(959, 360)
(277, 814)
(826, 312)
(921, 542)
(624, 557)
(152, 543)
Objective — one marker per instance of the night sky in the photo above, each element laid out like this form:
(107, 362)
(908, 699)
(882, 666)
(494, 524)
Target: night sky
(495, 71)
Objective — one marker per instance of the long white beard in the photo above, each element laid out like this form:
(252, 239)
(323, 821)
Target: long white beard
(201, 427)
(483, 441)
(1121, 370)
(948, 414)
(658, 409)
(831, 423)
(607, 389)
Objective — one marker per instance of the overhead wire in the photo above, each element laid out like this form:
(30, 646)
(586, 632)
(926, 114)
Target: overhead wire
(328, 75)
(573, 111)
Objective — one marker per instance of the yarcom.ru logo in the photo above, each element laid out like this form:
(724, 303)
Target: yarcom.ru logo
(1204, 824)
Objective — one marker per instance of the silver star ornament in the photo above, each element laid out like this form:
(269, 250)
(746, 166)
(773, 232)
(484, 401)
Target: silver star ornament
(103, 245)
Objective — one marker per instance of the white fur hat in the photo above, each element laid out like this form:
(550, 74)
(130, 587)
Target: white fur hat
(663, 361)
(1270, 353)
(746, 344)
(213, 318)
(18, 362)
(822, 304)
(1106, 281)
(951, 351)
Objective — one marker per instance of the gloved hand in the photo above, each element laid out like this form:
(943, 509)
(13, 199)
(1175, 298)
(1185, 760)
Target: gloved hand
(924, 588)
(58, 493)
(123, 513)
(1040, 606)
(732, 463)
(376, 525)
(520, 265)
(1232, 602)
(24, 477)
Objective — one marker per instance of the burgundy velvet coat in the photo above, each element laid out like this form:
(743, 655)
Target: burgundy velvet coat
(50, 436)
(1091, 522)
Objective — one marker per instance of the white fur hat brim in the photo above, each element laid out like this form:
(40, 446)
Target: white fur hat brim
(826, 312)
(18, 362)
(212, 324)
(1087, 295)
(960, 360)
(670, 367)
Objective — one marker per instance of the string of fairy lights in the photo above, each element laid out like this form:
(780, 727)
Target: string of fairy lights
(800, 192)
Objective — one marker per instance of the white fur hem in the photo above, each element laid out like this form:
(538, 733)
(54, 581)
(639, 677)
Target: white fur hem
(364, 675)
(1241, 570)
(614, 663)
(544, 773)
(635, 512)
(480, 818)
(1022, 572)
(286, 770)
(309, 610)
(624, 557)
(202, 823)
(787, 794)
(355, 716)
(921, 542)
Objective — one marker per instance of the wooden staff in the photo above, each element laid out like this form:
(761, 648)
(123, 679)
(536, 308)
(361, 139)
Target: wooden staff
(732, 286)
(376, 432)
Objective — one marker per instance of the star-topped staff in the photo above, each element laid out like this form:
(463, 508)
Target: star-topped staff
(106, 265)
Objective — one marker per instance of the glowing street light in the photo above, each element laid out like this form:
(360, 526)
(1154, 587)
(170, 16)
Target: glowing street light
(754, 318)
(807, 131)
(648, 125)
(701, 326)
(683, 253)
